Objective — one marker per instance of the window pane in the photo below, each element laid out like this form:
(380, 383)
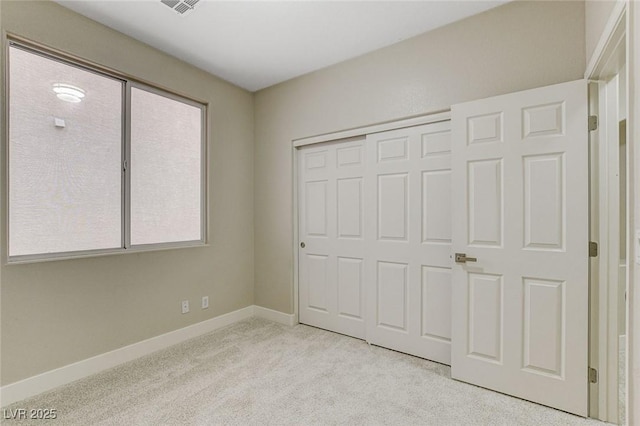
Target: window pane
(166, 141)
(64, 177)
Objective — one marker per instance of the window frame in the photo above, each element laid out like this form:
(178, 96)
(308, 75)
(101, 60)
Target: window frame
(128, 83)
(203, 169)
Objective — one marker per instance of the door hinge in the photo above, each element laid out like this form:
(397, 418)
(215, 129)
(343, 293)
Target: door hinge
(593, 375)
(124, 166)
(593, 122)
(593, 249)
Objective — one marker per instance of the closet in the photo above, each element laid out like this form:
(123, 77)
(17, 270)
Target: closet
(463, 241)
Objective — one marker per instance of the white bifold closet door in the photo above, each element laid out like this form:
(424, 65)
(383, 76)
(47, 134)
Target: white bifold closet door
(520, 208)
(332, 244)
(375, 222)
(408, 225)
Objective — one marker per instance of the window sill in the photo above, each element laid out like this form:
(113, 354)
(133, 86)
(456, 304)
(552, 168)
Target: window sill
(39, 258)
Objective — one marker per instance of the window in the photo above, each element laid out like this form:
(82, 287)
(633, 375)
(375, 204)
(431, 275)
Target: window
(165, 169)
(98, 163)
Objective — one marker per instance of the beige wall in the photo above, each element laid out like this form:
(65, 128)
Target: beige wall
(596, 15)
(514, 47)
(56, 313)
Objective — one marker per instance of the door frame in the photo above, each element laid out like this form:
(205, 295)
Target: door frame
(608, 58)
(342, 135)
(633, 199)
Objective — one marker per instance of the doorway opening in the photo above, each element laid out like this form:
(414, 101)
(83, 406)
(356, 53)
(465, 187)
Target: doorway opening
(608, 93)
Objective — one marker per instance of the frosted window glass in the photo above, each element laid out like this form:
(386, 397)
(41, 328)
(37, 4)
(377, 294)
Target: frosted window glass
(64, 182)
(166, 143)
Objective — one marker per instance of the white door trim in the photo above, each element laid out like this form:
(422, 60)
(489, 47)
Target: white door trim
(606, 61)
(602, 51)
(633, 218)
(432, 117)
(609, 248)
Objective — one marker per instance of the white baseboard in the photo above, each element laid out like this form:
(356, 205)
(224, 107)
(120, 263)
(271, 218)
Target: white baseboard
(275, 316)
(61, 376)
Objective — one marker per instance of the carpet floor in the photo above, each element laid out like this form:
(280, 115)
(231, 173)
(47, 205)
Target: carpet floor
(257, 372)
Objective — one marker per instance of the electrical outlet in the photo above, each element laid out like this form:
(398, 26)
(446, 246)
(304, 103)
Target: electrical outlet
(205, 302)
(185, 306)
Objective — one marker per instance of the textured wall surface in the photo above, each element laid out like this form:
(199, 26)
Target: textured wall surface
(518, 46)
(56, 313)
(596, 15)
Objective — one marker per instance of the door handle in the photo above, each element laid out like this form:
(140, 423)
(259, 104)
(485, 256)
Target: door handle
(462, 258)
(302, 244)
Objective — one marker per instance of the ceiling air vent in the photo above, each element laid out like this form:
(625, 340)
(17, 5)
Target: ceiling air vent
(182, 7)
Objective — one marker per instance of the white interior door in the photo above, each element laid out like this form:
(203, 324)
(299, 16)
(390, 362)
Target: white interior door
(331, 229)
(520, 206)
(408, 228)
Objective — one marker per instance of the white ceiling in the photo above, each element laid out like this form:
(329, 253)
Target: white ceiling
(256, 44)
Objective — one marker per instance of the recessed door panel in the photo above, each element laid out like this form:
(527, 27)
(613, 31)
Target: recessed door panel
(485, 316)
(349, 156)
(392, 295)
(393, 207)
(544, 207)
(317, 279)
(544, 326)
(485, 202)
(393, 149)
(436, 143)
(316, 208)
(316, 160)
(350, 287)
(436, 206)
(350, 208)
(543, 120)
(436, 303)
(485, 128)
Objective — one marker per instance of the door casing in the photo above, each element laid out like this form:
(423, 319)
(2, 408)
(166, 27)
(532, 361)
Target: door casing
(609, 59)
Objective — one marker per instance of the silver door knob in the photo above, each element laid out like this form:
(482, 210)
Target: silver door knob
(462, 258)
(302, 244)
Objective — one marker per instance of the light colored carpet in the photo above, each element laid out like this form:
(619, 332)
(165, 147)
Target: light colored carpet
(257, 372)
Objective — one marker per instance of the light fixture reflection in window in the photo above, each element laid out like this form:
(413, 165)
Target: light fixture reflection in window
(68, 93)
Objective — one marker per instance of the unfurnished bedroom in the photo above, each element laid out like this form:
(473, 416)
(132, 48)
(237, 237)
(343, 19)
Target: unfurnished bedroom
(319, 212)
